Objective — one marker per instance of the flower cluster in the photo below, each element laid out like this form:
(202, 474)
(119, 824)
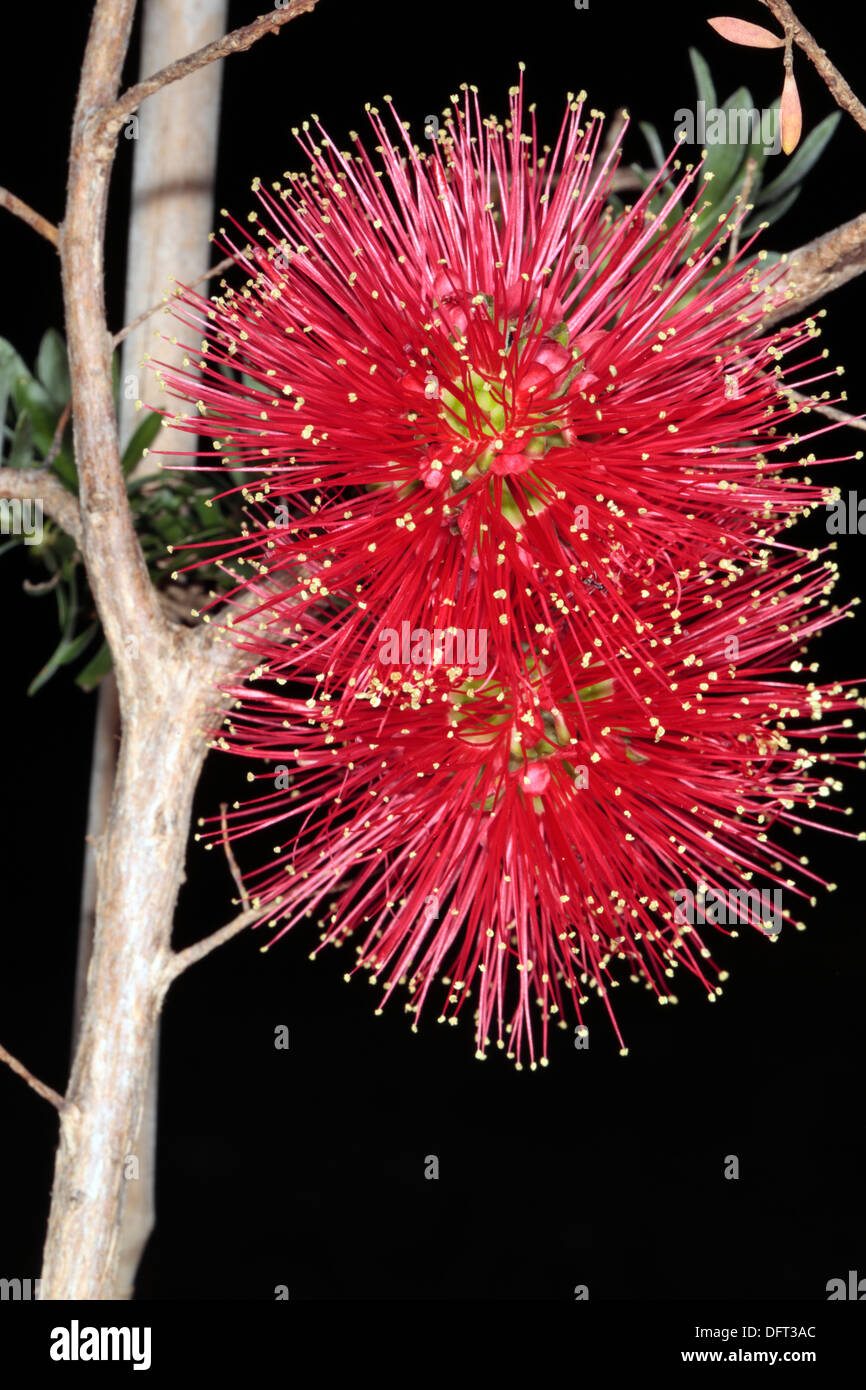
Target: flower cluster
(475, 399)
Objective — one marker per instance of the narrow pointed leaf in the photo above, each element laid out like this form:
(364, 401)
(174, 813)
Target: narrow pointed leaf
(773, 212)
(651, 136)
(5, 432)
(703, 78)
(806, 157)
(52, 367)
(67, 608)
(30, 395)
(141, 439)
(21, 452)
(44, 675)
(757, 151)
(63, 464)
(12, 366)
(71, 650)
(725, 159)
(95, 669)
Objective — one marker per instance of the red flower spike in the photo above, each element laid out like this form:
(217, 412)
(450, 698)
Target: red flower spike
(550, 846)
(516, 539)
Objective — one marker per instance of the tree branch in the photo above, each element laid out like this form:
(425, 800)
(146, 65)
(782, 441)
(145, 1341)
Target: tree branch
(46, 1092)
(27, 214)
(155, 308)
(116, 569)
(238, 41)
(836, 84)
(818, 267)
(813, 403)
(39, 486)
(179, 961)
(169, 681)
(57, 440)
(232, 862)
(751, 170)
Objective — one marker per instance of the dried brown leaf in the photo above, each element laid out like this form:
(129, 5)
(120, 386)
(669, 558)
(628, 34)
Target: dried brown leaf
(741, 31)
(791, 114)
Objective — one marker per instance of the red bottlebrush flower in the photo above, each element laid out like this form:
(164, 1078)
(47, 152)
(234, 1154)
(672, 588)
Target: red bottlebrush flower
(527, 850)
(517, 536)
(439, 395)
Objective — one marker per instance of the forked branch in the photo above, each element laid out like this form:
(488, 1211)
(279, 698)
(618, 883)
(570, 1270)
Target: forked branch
(238, 41)
(38, 485)
(46, 1092)
(34, 219)
(836, 84)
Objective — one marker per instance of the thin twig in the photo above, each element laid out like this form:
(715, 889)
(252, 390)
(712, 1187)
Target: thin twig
(28, 214)
(751, 170)
(233, 864)
(238, 41)
(817, 268)
(44, 588)
(155, 308)
(624, 181)
(116, 568)
(613, 135)
(46, 1092)
(57, 441)
(838, 87)
(855, 421)
(36, 485)
(181, 960)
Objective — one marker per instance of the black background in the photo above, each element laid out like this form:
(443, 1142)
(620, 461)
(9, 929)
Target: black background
(306, 1167)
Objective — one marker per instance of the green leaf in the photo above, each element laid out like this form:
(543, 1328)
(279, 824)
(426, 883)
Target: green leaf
(71, 650)
(724, 160)
(5, 431)
(52, 367)
(29, 395)
(67, 604)
(773, 213)
(67, 608)
(757, 152)
(141, 439)
(658, 156)
(644, 175)
(44, 676)
(21, 452)
(63, 464)
(651, 136)
(806, 156)
(207, 516)
(99, 666)
(703, 79)
(11, 368)
(11, 365)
